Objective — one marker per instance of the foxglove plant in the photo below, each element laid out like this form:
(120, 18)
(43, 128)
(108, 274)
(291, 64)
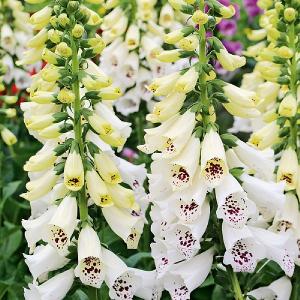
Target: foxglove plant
(278, 83)
(208, 189)
(76, 170)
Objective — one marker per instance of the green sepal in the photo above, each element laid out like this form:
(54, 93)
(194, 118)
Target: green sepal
(283, 79)
(229, 140)
(187, 9)
(184, 54)
(93, 148)
(59, 168)
(60, 116)
(187, 30)
(66, 128)
(237, 173)
(198, 131)
(279, 60)
(92, 95)
(86, 112)
(61, 149)
(285, 131)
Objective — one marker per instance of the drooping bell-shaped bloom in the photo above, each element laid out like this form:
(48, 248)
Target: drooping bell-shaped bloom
(90, 268)
(55, 288)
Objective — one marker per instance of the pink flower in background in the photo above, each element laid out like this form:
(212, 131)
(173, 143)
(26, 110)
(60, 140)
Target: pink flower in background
(227, 27)
(233, 47)
(129, 154)
(252, 8)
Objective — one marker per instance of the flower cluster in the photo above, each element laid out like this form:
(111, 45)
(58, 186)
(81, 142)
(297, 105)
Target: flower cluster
(135, 39)
(276, 79)
(14, 33)
(208, 189)
(76, 170)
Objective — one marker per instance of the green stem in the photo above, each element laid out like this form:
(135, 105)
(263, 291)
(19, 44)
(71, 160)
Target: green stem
(82, 201)
(238, 295)
(296, 284)
(203, 60)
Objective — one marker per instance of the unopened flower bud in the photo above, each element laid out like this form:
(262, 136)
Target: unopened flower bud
(66, 96)
(64, 50)
(285, 52)
(63, 20)
(10, 112)
(54, 36)
(8, 137)
(288, 106)
(78, 31)
(199, 17)
(289, 14)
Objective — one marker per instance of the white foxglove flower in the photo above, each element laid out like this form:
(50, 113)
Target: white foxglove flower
(170, 137)
(213, 160)
(129, 103)
(233, 205)
(62, 224)
(287, 218)
(143, 81)
(55, 288)
(163, 86)
(167, 15)
(90, 268)
(128, 225)
(133, 175)
(150, 288)
(184, 277)
(132, 37)
(261, 162)
(180, 171)
(280, 289)
(34, 227)
(129, 70)
(22, 79)
(43, 260)
(8, 62)
(8, 40)
(121, 280)
(186, 238)
(268, 196)
(242, 250)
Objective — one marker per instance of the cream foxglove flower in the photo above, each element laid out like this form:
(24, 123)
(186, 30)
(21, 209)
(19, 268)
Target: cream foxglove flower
(74, 172)
(43, 160)
(266, 136)
(132, 38)
(166, 16)
(240, 96)
(229, 61)
(288, 106)
(98, 189)
(162, 86)
(122, 197)
(62, 225)
(127, 224)
(213, 159)
(121, 280)
(44, 259)
(288, 169)
(129, 103)
(55, 288)
(90, 268)
(107, 168)
(280, 289)
(166, 108)
(184, 277)
(187, 82)
(41, 186)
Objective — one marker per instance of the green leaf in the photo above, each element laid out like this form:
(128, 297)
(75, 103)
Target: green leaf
(10, 188)
(133, 260)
